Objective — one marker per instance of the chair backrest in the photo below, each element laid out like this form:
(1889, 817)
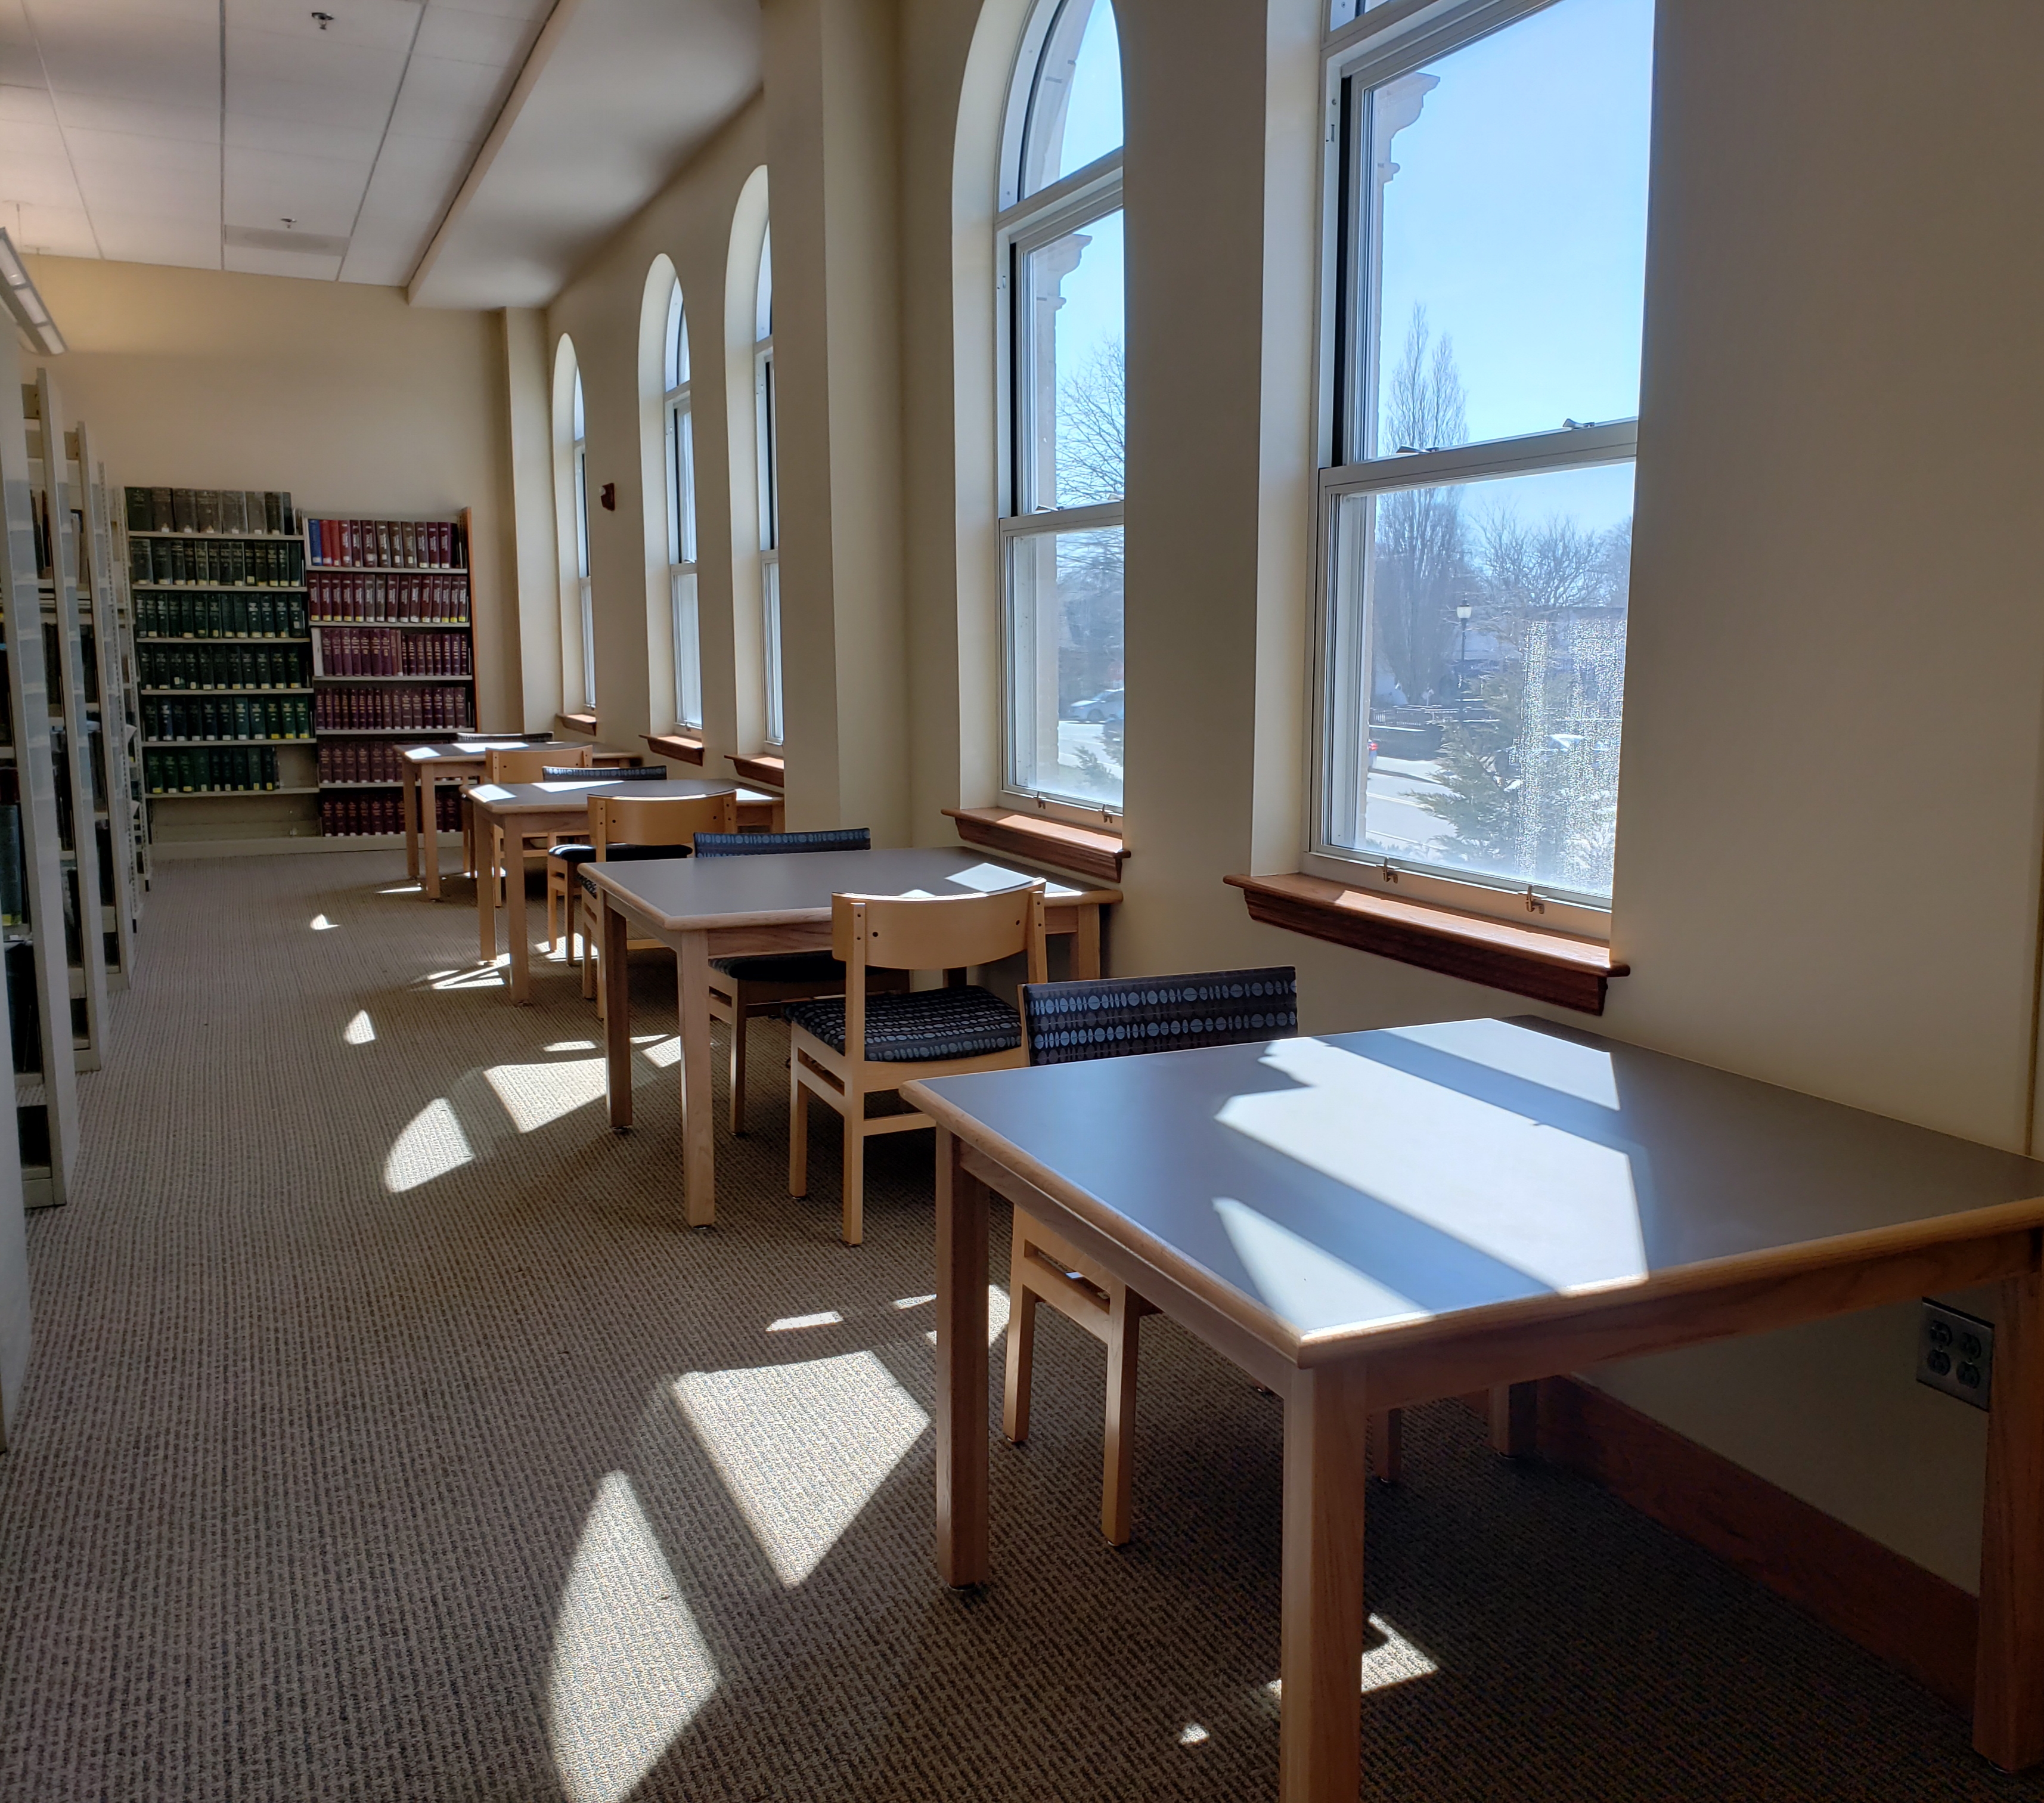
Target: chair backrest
(622, 773)
(666, 820)
(531, 766)
(938, 932)
(1064, 1023)
(751, 844)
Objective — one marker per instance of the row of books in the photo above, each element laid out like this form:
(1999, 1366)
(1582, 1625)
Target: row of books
(224, 666)
(433, 600)
(267, 511)
(202, 769)
(350, 816)
(220, 617)
(386, 544)
(235, 716)
(390, 710)
(230, 564)
(368, 650)
(360, 760)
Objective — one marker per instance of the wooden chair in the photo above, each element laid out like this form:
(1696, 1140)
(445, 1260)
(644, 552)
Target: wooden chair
(743, 988)
(526, 766)
(563, 892)
(1068, 1022)
(626, 829)
(869, 1042)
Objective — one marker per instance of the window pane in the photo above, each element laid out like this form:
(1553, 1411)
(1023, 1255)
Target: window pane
(678, 340)
(580, 430)
(588, 645)
(1064, 665)
(1073, 431)
(682, 431)
(1510, 182)
(770, 455)
(762, 324)
(688, 649)
(771, 610)
(582, 510)
(1487, 740)
(1075, 113)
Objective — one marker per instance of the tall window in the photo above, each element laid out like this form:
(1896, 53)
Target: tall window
(680, 448)
(770, 486)
(1060, 262)
(1489, 210)
(584, 596)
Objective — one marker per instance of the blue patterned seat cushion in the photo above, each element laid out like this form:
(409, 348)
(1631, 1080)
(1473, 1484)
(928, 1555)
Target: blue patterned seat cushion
(818, 967)
(919, 1026)
(616, 855)
(590, 773)
(754, 844)
(1116, 1017)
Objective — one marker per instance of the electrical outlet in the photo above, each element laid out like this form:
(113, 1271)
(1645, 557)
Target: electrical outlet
(1955, 1353)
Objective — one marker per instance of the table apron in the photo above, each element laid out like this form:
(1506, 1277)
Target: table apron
(752, 941)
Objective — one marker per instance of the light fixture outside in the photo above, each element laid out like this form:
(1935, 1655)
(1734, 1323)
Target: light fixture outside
(25, 303)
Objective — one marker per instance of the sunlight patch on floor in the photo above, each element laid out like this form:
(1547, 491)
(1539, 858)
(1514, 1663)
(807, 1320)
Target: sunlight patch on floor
(666, 1053)
(630, 1668)
(829, 1317)
(570, 1045)
(360, 1030)
(802, 1448)
(321, 923)
(482, 976)
(430, 1146)
(1387, 1658)
(997, 1314)
(536, 1095)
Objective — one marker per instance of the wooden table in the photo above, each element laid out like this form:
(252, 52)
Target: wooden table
(731, 907)
(420, 766)
(522, 808)
(1373, 1220)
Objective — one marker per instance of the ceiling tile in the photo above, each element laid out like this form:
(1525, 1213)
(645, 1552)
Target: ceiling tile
(443, 98)
(534, 11)
(173, 64)
(53, 231)
(353, 144)
(141, 237)
(265, 187)
(121, 153)
(385, 251)
(312, 101)
(471, 36)
(251, 262)
(20, 63)
(310, 59)
(151, 177)
(93, 112)
(26, 106)
(33, 167)
(378, 25)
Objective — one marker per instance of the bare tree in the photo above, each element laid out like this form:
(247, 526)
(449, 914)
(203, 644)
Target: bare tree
(1092, 428)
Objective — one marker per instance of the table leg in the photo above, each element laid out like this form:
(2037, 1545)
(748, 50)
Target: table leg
(429, 831)
(514, 907)
(962, 1446)
(617, 1010)
(1085, 945)
(408, 801)
(2008, 1683)
(485, 907)
(1515, 1420)
(1326, 1469)
(698, 1129)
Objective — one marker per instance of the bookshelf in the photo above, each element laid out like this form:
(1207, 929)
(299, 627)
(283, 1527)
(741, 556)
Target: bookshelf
(393, 659)
(223, 654)
(34, 885)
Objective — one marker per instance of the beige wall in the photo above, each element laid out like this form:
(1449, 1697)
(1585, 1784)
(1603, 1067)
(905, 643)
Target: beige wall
(355, 401)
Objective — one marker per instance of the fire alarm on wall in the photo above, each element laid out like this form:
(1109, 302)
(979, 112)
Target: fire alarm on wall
(609, 496)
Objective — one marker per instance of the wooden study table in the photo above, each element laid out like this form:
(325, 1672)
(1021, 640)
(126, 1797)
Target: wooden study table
(1369, 1220)
(420, 766)
(522, 808)
(780, 901)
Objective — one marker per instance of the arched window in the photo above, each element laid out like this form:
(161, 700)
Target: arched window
(1060, 263)
(681, 516)
(770, 484)
(579, 434)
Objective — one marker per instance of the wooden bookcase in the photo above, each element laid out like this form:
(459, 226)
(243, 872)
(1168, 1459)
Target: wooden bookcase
(393, 658)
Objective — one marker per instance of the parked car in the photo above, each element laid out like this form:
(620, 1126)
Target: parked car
(1102, 708)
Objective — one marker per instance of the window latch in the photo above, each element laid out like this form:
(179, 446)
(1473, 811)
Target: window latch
(1534, 904)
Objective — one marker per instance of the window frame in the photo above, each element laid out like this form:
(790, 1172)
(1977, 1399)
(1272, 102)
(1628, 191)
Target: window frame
(766, 438)
(584, 589)
(682, 526)
(1375, 47)
(1023, 226)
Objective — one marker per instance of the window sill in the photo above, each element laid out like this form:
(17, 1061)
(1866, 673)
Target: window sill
(576, 723)
(1549, 967)
(673, 745)
(769, 772)
(1085, 851)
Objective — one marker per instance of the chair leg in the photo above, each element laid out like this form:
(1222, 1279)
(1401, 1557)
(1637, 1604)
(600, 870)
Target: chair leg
(1021, 1348)
(737, 1060)
(1387, 1445)
(854, 1229)
(798, 1132)
(588, 954)
(553, 920)
(1125, 1321)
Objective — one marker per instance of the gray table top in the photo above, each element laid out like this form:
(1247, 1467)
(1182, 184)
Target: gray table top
(1364, 1182)
(777, 889)
(505, 798)
(473, 751)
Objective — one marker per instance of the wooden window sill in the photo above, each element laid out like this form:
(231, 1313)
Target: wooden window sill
(769, 772)
(673, 745)
(1549, 967)
(576, 723)
(1086, 851)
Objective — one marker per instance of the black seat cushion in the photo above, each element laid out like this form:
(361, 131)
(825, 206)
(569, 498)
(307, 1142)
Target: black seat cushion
(616, 855)
(818, 967)
(1112, 1017)
(754, 844)
(605, 773)
(919, 1026)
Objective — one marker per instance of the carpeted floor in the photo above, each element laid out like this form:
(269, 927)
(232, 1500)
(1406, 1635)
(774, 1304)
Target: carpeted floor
(388, 1435)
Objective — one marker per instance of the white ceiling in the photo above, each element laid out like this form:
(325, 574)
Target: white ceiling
(243, 135)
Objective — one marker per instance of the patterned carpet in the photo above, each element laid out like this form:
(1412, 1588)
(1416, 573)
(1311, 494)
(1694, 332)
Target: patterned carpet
(389, 1436)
